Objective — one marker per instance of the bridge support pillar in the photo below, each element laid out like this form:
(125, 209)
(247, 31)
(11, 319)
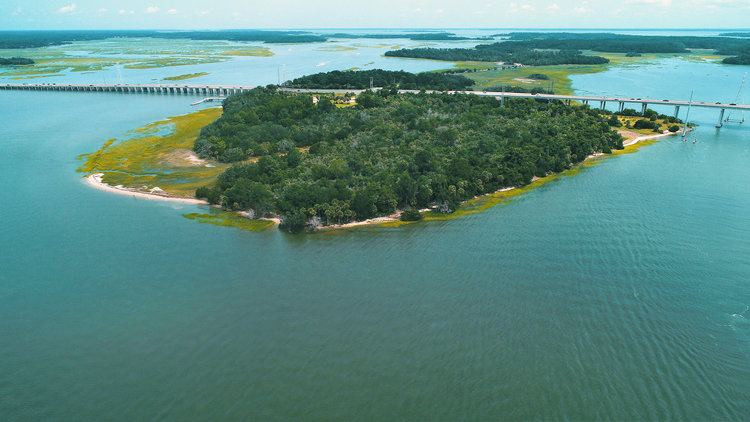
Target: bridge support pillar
(644, 106)
(602, 104)
(586, 102)
(720, 123)
(621, 107)
(676, 111)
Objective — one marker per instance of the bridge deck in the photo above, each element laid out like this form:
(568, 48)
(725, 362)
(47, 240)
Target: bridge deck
(228, 89)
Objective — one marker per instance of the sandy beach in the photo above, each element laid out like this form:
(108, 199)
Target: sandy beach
(95, 181)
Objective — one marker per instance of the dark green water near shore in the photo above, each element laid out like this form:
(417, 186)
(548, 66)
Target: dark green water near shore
(619, 294)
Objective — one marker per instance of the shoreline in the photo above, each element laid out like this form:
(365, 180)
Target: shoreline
(95, 180)
(395, 217)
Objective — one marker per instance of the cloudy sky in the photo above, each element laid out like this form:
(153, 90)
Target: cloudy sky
(217, 14)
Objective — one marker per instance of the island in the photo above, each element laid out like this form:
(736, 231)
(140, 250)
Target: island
(313, 160)
(312, 164)
(544, 49)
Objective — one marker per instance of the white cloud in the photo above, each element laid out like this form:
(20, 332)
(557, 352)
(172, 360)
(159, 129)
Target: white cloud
(553, 6)
(203, 12)
(418, 10)
(67, 9)
(582, 10)
(235, 13)
(663, 3)
(439, 11)
(103, 10)
(17, 12)
(152, 9)
(172, 11)
(528, 7)
(126, 12)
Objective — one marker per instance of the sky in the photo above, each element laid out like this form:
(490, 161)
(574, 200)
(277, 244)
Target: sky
(269, 14)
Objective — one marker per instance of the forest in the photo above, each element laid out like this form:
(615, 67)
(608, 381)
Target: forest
(380, 78)
(534, 48)
(318, 164)
(508, 52)
(15, 61)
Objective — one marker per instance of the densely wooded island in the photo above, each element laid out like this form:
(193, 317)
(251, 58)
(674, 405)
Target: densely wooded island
(314, 163)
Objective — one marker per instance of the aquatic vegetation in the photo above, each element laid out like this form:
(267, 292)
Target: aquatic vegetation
(218, 217)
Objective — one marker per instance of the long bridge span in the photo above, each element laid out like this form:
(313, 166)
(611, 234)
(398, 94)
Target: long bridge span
(223, 90)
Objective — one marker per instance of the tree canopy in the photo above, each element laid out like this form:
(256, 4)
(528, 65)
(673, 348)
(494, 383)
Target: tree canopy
(508, 52)
(319, 164)
(361, 80)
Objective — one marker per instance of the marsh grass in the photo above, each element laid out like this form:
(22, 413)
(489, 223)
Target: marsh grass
(155, 156)
(218, 217)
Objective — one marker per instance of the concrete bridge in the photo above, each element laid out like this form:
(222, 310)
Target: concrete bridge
(137, 88)
(223, 90)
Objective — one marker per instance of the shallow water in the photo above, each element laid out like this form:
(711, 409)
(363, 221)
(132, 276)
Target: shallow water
(620, 293)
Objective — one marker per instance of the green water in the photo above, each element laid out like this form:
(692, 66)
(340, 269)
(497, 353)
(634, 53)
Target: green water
(619, 294)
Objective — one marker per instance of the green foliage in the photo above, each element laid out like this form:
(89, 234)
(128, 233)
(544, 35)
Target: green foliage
(619, 43)
(674, 128)
(15, 61)
(391, 151)
(538, 76)
(509, 52)
(294, 223)
(208, 194)
(614, 121)
(361, 80)
(646, 124)
(742, 60)
(411, 215)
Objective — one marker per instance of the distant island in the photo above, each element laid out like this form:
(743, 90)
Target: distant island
(315, 164)
(539, 48)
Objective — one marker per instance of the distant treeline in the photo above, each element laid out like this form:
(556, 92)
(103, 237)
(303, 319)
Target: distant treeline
(15, 61)
(501, 52)
(634, 44)
(427, 36)
(361, 80)
(318, 164)
(737, 60)
(508, 52)
(736, 34)
(33, 39)
(539, 48)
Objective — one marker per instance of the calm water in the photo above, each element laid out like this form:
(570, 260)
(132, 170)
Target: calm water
(621, 293)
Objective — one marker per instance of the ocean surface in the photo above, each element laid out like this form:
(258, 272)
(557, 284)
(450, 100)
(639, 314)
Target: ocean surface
(621, 293)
